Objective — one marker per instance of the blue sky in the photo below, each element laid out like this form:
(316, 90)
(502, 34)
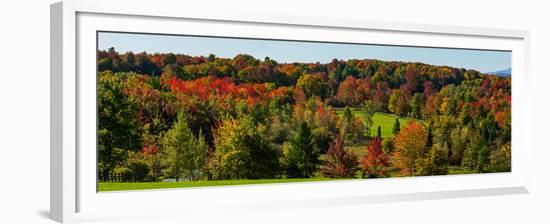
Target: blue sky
(296, 51)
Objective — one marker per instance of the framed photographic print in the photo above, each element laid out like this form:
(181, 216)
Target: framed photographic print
(198, 109)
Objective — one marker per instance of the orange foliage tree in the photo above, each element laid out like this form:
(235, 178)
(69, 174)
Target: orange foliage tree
(410, 146)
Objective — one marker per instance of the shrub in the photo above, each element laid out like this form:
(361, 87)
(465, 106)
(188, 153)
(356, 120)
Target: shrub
(138, 169)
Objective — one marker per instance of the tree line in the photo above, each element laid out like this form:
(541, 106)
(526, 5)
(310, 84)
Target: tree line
(194, 117)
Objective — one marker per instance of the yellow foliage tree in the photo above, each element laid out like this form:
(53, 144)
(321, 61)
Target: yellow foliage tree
(410, 147)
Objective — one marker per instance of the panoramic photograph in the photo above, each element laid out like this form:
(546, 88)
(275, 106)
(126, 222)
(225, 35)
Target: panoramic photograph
(177, 111)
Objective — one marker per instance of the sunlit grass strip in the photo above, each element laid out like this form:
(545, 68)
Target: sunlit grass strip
(123, 186)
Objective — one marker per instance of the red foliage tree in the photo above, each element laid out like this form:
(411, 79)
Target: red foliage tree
(411, 78)
(429, 88)
(354, 91)
(339, 163)
(209, 86)
(375, 163)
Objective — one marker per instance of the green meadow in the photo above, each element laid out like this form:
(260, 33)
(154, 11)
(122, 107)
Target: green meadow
(384, 120)
(123, 186)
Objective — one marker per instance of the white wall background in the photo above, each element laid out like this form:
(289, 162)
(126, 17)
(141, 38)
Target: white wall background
(24, 114)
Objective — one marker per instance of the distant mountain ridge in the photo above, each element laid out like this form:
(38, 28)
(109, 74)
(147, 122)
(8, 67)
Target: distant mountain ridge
(505, 72)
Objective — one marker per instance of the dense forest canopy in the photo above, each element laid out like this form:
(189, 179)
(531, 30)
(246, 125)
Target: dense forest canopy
(196, 117)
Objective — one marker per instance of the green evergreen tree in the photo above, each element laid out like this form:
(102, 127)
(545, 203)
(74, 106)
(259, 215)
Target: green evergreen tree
(369, 107)
(185, 155)
(388, 145)
(435, 163)
(483, 159)
(396, 127)
(347, 123)
(303, 155)
(263, 161)
(348, 115)
(429, 143)
(477, 154)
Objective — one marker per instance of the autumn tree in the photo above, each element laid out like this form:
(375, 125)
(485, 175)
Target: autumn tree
(313, 85)
(353, 92)
(429, 88)
(375, 163)
(357, 129)
(410, 146)
(151, 152)
(411, 77)
(381, 95)
(325, 126)
(431, 106)
(339, 162)
(229, 146)
(416, 104)
(380, 75)
(398, 103)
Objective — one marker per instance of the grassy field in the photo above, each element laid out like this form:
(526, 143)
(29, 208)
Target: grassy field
(123, 186)
(384, 120)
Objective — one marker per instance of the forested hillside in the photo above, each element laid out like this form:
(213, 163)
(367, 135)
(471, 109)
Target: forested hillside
(198, 118)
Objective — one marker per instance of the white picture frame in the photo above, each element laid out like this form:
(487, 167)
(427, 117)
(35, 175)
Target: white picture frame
(74, 195)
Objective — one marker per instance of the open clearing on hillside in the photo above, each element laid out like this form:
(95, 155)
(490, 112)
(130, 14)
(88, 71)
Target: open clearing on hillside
(384, 120)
